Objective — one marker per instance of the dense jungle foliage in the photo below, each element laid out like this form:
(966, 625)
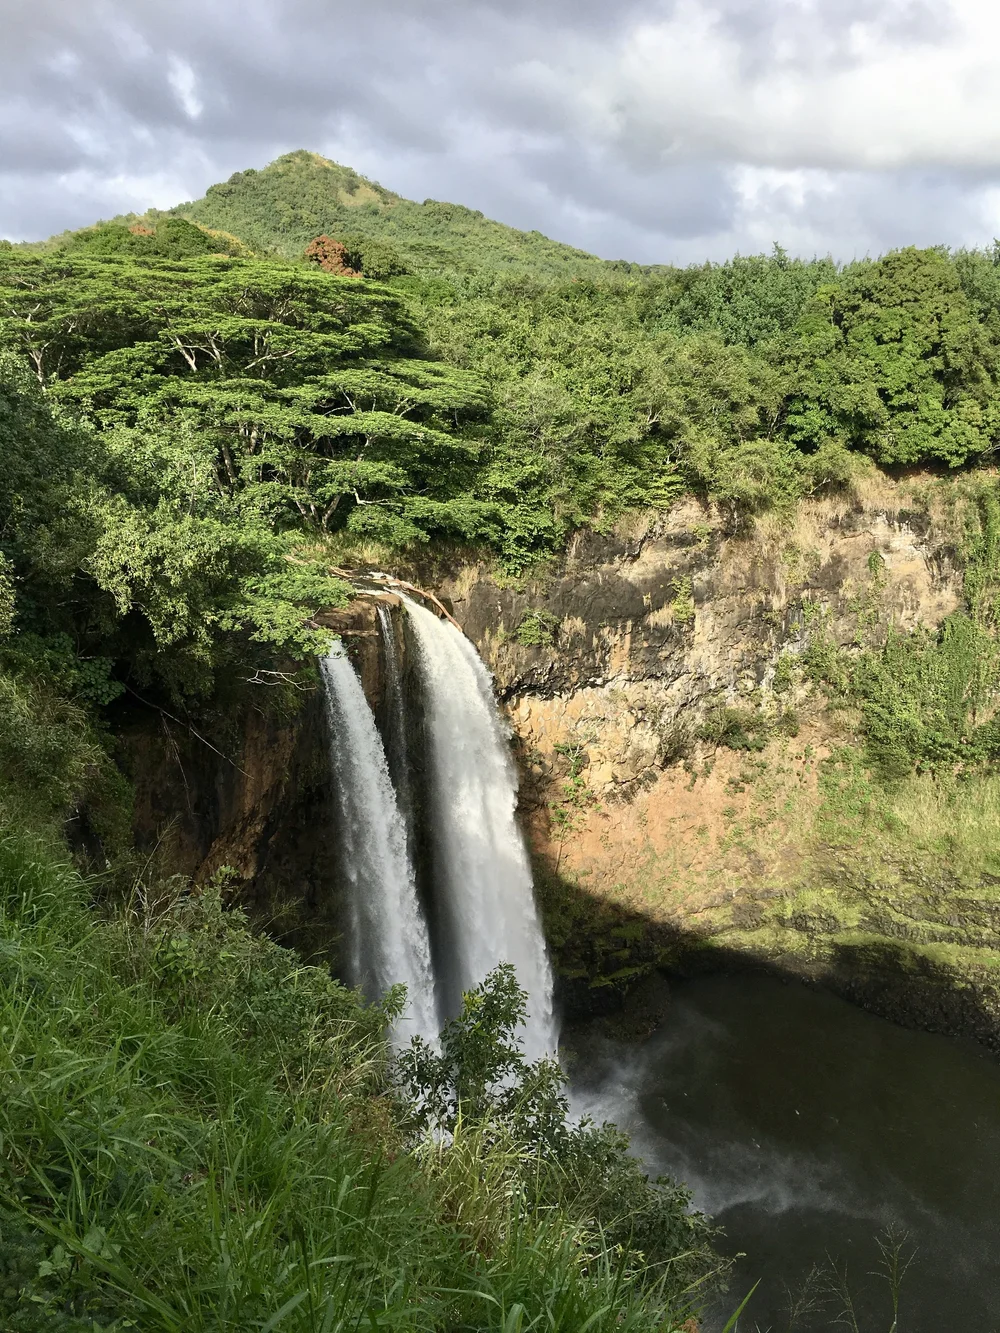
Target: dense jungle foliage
(198, 428)
(466, 398)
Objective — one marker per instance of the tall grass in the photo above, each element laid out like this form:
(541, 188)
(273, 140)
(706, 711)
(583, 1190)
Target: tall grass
(955, 821)
(198, 1132)
(938, 826)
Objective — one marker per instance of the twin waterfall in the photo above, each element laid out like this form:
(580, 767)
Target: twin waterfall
(477, 908)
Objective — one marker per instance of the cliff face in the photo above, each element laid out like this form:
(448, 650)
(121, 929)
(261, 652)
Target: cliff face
(250, 792)
(658, 846)
(639, 636)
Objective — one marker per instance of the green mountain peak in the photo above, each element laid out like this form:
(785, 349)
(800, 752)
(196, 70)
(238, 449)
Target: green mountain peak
(301, 195)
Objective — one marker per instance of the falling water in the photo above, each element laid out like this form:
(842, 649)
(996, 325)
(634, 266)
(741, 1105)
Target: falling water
(482, 874)
(388, 935)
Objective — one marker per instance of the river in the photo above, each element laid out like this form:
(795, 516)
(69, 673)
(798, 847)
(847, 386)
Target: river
(807, 1127)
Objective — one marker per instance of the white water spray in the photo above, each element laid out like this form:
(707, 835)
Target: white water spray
(482, 873)
(388, 934)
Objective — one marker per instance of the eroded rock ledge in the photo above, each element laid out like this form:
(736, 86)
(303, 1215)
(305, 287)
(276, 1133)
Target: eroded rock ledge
(643, 633)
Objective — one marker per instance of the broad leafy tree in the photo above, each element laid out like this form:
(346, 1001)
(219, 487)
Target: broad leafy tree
(893, 360)
(301, 396)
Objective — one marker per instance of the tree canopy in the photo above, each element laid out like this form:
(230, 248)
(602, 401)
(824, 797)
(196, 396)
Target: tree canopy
(505, 410)
(292, 395)
(119, 563)
(893, 361)
(490, 387)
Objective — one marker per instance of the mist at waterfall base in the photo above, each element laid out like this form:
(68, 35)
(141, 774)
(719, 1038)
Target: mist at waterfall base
(806, 1126)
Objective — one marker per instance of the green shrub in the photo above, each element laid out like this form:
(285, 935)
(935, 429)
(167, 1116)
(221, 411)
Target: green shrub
(747, 728)
(373, 258)
(537, 629)
(682, 606)
(480, 1082)
(737, 729)
(783, 677)
(927, 700)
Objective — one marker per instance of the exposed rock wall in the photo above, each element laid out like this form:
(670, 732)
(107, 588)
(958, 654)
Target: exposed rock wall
(647, 632)
(657, 847)
(250, 791)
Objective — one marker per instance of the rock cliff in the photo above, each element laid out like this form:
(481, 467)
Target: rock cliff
(247, 793)
(657, 844)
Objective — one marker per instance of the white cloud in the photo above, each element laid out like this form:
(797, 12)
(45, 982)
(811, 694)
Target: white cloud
(181, 78)
(658, 130)
(132, 194)
(63, 62)
(684, 86)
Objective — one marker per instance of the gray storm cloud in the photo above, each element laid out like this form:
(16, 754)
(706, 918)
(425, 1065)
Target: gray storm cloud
(645, 130)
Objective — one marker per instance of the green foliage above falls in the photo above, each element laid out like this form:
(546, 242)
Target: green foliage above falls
(601, 406)
(593, 387)
(116, 568)
(749, 299)
(752, 383)
(293, 396)
(893, 361)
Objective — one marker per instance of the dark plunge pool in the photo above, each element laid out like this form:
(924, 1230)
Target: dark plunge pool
(808, 1127)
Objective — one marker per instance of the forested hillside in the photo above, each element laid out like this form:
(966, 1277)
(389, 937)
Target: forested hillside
(199, 1132)
(543, 402)
(303, 195)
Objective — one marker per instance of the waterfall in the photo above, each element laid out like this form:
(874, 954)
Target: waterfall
(482, 876)
(387, 932)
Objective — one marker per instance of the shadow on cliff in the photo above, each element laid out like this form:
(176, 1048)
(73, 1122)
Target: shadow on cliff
(245, 794)
(616, 965)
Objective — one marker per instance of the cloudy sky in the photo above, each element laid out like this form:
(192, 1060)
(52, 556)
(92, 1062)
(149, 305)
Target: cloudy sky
(655, 130)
